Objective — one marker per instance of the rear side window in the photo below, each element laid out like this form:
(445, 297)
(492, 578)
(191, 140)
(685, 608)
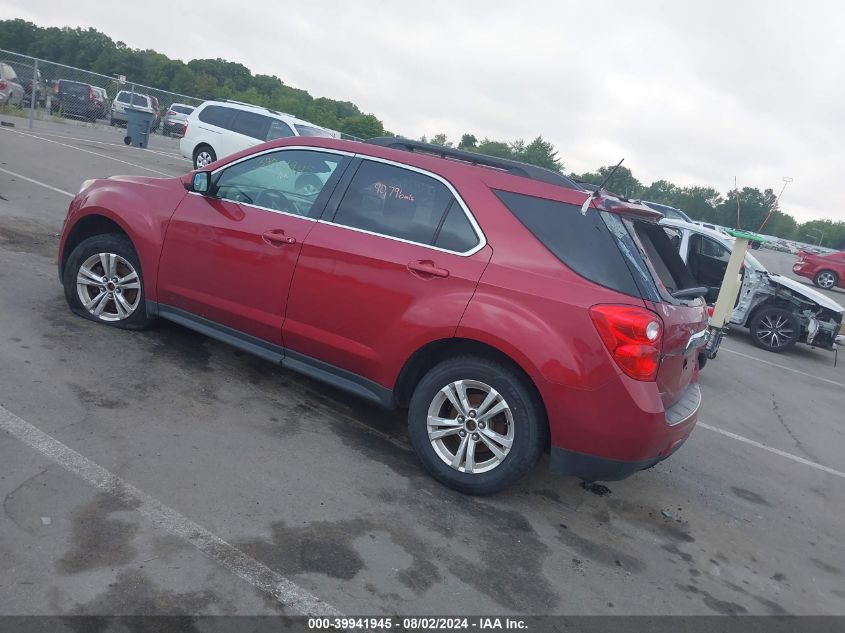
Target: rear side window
(251, 124)
(123, 97)
(456, 233)
(307, 130)
(582, 242)
(392, 201)
(279, 129)
(217, 116)
(182, 109)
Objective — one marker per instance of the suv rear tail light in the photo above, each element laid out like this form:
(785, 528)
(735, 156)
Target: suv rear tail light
(3, 84)
(633, 336)
(185, 129)
(90, 94)
(170, 113)
(55, 89)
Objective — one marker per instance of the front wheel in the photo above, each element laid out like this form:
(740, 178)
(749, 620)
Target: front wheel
(775, 329)
(476, 425)
(103, 282)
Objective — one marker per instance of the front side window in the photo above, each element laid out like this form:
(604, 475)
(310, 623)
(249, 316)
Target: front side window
(393, 201)
(251, 124)
(288, 181)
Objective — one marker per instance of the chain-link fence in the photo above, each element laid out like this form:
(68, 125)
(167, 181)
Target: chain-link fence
(46, 90)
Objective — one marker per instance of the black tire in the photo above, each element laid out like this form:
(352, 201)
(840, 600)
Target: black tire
(821, 279)
(113, 244)
(204, 149)
(774, 329)
(530, 427)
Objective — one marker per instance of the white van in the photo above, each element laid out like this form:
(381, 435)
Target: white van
(220, 128)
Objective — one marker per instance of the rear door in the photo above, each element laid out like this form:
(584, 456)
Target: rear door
(229, 257)
(684, 321)
(391, 267)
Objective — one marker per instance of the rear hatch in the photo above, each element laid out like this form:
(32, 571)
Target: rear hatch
(661, 276)
(73, 92)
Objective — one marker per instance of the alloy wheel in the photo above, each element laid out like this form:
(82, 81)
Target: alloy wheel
(826, 280)
(775, 330)
(108, 287)
(470, 426)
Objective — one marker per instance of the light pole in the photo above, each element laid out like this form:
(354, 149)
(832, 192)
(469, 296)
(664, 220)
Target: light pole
(786, 181)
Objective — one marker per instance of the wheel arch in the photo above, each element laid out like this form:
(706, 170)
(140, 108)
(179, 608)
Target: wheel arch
(89, 226)
(437, 351)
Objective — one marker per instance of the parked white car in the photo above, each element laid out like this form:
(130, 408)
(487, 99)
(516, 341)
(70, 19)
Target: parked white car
(777, 310)
(220, 128)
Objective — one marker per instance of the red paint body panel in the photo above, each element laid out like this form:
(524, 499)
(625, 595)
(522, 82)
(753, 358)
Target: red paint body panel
(355, 304)
(810, 264)
(216, 264)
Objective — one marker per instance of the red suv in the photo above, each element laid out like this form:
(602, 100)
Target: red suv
(506, 308)
(827, 271)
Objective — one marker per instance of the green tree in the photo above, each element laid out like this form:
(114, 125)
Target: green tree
(440, 139)
(468, 142)
(541, 153)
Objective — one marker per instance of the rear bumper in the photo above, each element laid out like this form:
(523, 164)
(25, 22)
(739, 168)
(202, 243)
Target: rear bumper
(802, 269)
(595, 468)
(612, 432)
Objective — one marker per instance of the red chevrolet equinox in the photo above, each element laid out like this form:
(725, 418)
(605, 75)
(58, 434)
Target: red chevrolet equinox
(510, 311)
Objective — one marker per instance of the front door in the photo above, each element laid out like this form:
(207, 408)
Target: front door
(229, 257)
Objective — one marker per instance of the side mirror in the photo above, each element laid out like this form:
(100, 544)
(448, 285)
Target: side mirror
(201, 182)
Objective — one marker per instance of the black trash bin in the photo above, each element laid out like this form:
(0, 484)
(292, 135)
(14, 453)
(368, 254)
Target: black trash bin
(138, 125)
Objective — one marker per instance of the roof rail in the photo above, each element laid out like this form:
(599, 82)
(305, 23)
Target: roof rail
(252, 105)
(513, 167)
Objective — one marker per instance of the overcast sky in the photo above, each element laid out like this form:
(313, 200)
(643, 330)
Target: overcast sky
(693, 92)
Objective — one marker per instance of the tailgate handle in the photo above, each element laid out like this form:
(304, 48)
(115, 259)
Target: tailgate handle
(427, 268)
(277, 237)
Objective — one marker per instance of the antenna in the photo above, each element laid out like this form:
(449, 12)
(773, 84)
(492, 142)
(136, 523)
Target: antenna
(610, 175)
(597, 192)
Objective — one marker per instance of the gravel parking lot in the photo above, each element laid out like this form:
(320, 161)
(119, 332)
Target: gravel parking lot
(203, 480)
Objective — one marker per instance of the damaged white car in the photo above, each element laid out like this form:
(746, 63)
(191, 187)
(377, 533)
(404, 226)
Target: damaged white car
(778, 311)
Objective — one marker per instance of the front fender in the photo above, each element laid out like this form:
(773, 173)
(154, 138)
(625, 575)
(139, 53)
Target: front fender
(142, 209)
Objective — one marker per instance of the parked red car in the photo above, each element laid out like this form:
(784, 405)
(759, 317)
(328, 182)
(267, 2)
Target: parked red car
(826, 270)
(471, 290)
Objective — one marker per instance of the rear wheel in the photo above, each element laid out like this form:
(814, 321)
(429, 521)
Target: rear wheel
(103, 282)
(203, 157)
(476, 425)
(826, 279)
(775, 329)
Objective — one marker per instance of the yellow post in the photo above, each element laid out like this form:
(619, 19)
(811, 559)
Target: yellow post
(730, 285)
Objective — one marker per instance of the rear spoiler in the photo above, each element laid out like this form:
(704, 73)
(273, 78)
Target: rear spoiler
(601, 201)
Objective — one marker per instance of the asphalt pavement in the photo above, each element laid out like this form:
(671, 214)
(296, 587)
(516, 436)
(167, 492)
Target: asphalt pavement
(163, 472)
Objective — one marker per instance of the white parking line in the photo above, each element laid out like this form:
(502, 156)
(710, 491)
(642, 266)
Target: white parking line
(784, 367)
(291, 595)
(40, 134)
(776, 451)
(88, 151)
(37, 182)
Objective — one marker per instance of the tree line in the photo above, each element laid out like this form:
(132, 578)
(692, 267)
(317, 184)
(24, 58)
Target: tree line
(217, 78)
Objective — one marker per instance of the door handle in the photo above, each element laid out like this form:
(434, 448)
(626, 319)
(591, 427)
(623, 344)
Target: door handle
(427, 268)
(277, 237)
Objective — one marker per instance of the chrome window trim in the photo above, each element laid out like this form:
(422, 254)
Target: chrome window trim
(479, 234)
(255, 206)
